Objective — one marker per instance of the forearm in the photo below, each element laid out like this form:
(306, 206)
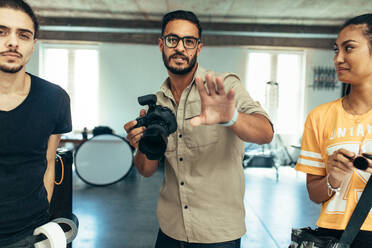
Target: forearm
(317, 188)
(49, 175)
(145, 166)
(49, 178)
(254, 128)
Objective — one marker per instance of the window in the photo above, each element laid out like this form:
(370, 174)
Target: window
(75, 68)
(283, 101)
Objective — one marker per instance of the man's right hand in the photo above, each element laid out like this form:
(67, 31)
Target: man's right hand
(134, 134)
(144, 166)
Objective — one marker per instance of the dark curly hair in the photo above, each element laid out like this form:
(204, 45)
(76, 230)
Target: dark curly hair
(181, 15)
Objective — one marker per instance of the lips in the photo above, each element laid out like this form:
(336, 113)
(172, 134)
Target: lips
(341, 69)
(11, 54)
(179, 57)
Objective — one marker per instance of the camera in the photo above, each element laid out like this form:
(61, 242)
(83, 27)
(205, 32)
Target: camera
(360, 162)
(160, 122)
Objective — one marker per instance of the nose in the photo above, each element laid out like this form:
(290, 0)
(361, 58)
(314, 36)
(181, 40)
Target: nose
(338, 58)
(180, 47)
(12, 41)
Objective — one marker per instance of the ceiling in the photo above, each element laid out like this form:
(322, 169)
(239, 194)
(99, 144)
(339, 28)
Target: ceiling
(124, 20)
(308, 12)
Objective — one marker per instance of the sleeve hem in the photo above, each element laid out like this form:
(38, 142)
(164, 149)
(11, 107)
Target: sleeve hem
(310, 170)
(67, 130)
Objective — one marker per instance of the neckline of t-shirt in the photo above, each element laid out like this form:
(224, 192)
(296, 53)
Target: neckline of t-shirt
(24, 100)
(349, 116)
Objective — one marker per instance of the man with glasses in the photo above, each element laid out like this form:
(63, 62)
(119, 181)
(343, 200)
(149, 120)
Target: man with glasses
(201, 201)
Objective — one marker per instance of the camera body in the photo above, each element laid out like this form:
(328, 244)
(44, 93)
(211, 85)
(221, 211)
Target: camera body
(160, 122)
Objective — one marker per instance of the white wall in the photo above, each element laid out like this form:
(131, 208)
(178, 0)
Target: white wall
(33, 64)
(225, 59)
(128, 71)
(315, 97)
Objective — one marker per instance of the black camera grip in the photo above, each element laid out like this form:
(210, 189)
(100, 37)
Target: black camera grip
(141, 121)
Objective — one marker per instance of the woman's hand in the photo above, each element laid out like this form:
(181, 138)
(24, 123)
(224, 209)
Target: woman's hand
(340, 165)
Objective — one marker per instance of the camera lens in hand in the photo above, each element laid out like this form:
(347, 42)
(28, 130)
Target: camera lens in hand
(360, 163)
(154, 142)
(160, 122)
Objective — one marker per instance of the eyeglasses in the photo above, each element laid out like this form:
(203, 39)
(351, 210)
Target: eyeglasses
(172, 40)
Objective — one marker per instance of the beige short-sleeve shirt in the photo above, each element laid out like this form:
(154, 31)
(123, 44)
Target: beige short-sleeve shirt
(201, 199)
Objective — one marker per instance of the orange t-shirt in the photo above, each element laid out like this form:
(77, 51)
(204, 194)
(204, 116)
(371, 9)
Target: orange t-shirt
(328, 128)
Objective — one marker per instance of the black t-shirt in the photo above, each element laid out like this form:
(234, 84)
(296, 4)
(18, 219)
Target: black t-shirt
(24, 134)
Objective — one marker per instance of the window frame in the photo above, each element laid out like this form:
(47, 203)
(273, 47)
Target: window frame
(274, 54)
(71, 48)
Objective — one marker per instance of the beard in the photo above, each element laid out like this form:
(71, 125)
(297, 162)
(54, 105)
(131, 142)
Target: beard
(179, 71)
(6, 69)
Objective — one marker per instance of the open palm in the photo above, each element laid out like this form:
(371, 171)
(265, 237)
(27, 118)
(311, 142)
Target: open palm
(217, 106)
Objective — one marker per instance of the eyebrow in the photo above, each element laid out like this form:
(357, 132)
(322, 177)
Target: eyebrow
(19, 29)
(172, 34)
(26, 30)
(345, 42)
(187, 36)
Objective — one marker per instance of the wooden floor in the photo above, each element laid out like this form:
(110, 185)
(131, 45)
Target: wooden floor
(123, 215)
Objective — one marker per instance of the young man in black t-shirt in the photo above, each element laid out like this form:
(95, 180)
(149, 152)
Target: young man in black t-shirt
(33, 115)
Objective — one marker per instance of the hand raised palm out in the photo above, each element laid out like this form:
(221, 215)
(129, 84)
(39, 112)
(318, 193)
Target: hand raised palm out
(216, 105)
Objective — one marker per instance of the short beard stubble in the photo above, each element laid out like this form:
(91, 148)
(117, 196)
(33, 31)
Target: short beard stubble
(177, 71)
(10, 70)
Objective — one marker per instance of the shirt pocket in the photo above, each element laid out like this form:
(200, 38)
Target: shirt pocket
(201, 136)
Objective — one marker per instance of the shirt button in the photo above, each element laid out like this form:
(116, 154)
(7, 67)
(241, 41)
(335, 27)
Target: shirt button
(180, 135)
(186, 207)
(182, 183)
(181, 159)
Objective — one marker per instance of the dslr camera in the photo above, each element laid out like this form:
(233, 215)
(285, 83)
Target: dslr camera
(160, 122)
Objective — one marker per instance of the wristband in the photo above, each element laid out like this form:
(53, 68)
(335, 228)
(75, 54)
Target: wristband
(232, 121)
(332, 190)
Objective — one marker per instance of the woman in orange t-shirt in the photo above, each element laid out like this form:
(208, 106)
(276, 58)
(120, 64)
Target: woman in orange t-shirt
(336, 132)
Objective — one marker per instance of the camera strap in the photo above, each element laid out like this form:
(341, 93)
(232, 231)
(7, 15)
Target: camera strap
(359, 215)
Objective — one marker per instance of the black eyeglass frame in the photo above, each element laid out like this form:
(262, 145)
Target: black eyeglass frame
(164, 37)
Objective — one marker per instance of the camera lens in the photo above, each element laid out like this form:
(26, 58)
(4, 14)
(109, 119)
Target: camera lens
(159, 122)
(360, 163)
(154, 142)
